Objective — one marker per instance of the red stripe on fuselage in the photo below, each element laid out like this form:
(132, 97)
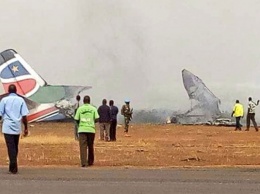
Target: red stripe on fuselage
(41, 113)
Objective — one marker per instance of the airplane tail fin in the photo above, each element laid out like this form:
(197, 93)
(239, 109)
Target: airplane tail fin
(15, 70)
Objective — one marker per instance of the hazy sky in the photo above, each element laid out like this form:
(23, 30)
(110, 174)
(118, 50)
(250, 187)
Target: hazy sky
(137, 48)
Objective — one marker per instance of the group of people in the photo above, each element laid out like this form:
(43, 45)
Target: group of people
(238, 113)
(107, 120)
(13, 110)
(86, 118)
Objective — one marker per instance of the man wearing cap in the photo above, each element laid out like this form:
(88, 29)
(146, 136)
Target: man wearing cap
(127, 112)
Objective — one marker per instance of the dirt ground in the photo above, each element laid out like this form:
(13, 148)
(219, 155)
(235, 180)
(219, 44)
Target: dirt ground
(52, 144)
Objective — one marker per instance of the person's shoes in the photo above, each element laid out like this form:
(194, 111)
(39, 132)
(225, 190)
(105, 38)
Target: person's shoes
(13, 169)
(13, 172)
(90, 164)
(126, 135)
(83, 166)
(247, 130)
(235, 129)
(256, 130)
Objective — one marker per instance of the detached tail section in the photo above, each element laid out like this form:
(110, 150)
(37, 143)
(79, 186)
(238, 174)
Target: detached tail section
(46, 102)
(15, 70)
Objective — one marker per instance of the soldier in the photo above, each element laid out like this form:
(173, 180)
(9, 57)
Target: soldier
(127, 112)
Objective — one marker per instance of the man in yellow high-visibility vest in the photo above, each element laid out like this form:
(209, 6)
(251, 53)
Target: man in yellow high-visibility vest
(238, 113)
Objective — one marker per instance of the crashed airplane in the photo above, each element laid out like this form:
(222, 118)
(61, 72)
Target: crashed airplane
(45, 102)
(204, 104)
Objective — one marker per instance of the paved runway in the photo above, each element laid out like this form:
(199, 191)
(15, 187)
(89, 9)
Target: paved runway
(130, 181)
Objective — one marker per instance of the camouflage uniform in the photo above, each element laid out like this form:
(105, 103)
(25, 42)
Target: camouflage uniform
(127, 113)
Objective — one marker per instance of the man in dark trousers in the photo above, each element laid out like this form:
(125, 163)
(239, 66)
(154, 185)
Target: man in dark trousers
(238, 113)
(251, 113)
(86, 117)
(13, 109)
(113, 124)
(76, 106)
(104, 121)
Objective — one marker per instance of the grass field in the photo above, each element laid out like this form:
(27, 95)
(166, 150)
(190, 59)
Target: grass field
(149, 146)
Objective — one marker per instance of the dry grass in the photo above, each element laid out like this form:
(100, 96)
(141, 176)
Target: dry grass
(148, 146)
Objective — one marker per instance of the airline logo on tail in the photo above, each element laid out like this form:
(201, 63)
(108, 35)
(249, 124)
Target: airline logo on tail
(46, 101)
(16, 71)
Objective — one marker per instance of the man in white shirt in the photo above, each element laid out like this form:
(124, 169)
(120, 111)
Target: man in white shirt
(251, 114)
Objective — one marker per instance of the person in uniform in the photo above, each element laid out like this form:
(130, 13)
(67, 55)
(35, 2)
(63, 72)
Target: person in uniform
(127, 112)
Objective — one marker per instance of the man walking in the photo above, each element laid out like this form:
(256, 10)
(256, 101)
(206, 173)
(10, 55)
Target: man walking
(76, 106)
(127, 112)
(251, 114)
(238, 112)
(113, 124)
(13, 109)
(104, 121)
(86, 117)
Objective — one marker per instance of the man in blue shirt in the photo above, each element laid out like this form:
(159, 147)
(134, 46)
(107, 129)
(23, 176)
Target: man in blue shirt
(113, 124)
(13, 109)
